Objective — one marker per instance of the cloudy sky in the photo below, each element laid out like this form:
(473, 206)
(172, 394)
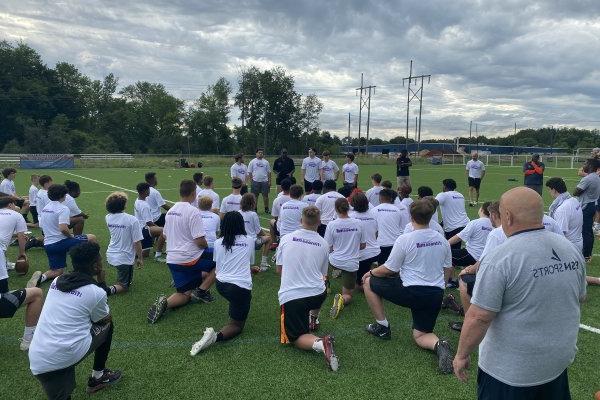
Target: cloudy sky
(534, 63)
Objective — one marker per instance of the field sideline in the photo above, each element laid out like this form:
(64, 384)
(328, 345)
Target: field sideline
(155, 358)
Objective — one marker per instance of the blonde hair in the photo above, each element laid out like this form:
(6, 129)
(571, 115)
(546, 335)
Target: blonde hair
(115, 202)
(311, 216)
(205, 203)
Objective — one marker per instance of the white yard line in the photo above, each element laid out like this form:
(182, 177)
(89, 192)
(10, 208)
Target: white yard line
(589, 328)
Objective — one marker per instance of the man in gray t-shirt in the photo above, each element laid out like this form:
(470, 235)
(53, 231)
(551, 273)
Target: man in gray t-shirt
(525, 308)
(588, 191)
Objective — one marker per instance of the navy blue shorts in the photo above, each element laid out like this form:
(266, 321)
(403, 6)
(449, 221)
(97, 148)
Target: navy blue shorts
(57, 252)
(147, 241)
(489, 388)
(189, 277)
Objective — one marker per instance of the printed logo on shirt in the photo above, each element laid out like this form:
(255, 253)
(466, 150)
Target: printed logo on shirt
(73, 292)
(486, 228)
(344, 230)
(428, 244)
(175, 213)
(555, 256)
(289, 207)
(540, 272)
(302, 240)
(116, 226)
(458, 197)
(387, 210)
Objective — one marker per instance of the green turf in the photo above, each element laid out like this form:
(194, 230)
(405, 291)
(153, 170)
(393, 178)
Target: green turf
(156, 362)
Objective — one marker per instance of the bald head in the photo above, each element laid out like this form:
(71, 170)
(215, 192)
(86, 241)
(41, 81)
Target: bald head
(521, 208)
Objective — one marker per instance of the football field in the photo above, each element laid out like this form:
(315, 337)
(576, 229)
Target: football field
(155, 358)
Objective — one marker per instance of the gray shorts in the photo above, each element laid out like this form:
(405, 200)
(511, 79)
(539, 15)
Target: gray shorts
(403, 180)
(124, 275)
(260, 187)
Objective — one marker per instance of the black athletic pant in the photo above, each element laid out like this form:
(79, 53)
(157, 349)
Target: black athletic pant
(587, 230)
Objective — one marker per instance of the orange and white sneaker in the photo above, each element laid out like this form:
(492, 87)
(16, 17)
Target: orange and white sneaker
(330, 357)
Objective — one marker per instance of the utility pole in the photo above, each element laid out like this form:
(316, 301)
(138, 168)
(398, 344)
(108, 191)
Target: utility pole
(470, 136)
(515, 140)
(476, 140)
(349, 140)
(364, 101)
(411, 94)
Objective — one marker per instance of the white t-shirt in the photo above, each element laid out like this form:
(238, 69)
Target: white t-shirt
(239, 171)
(278, 202)
(210, 223)
(33, 191)
(183, 224)
(408, 202)
(404, 212)
(62, 336)
(344, 236)
(141, 210)
(569, 216)
(290, 216)
(494, 239)
(311, 199)
(373, 195)
(303, 257)
(475, 234)
(155, 201)
(452, 205)
(72, 205)
(124, 230)
(420, 257)
(11, 223)
(259, 169)
(368, 221)
(329, 169)
(434, 225)
(326, 204)
(551, 225)
(8, 187)
(53, 214)
(311, 168)
(390, 223)
(233, 265)
(209, 193)
(475, 168)
(231, 203)
(350, 171)
(251, 223)
(42, 199)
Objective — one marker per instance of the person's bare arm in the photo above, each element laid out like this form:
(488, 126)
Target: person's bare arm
(64, 229)
(482, 174)
(166, 207)
(201, 242)
(454, 239)
(363, 246)
(278, 269)
(22, 239)
(139, 253)
(471, 269)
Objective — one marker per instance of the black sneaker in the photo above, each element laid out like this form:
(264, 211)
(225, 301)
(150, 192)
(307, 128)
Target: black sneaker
(199, 295)
(452, 284)
(108, 378)
(456, 326)
(382, 332)
(445, 357)
(449, 302)
(33, 242)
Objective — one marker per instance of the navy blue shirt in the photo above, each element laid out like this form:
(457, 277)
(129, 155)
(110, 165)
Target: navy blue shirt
(535, 178)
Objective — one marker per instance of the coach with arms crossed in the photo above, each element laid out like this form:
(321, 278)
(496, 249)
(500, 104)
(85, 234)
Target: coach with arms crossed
(534, 174)
(525, 308)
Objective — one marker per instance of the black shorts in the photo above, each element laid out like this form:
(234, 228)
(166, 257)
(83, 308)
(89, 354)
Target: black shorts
(321, 230)
(469, 280)
(307, 186)
(490, 388)
(462, 258)
(424, 301)
(10, 302)
(364, 266)
(281, 178)
(295, 316)
(161, 220)
(4, 285)
(147, 241)
(453, 233)
(385, 253)
(475, 182)
(34, 214)
(19, 202)
(124, 275)
(239, 300)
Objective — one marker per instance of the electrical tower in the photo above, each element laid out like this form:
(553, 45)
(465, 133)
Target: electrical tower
(411, 95)
(365, 101)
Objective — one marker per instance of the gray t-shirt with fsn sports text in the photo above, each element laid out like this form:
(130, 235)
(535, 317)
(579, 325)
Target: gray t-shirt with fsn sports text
(590, 184)
(533, 282)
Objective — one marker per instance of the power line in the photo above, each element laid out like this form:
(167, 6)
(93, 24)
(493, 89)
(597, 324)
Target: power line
(365, 92)
(418, 95)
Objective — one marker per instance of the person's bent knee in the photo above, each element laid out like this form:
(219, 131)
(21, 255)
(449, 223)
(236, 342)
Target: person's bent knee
(32, 294)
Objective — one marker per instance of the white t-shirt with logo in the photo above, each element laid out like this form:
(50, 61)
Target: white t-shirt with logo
(33, 191)
(125, 231)
(210, 223)
(239, 171)
(183, 224)
(11, 223)
(290, 216)
(494, 239)
(311, 199)
(231, 203)
(368, 221)
(52, 215)
(373, 195)
(326, 204)
(475, 168)
(155, 201)
(350, 171)
(233, 265)
(420, 257)
(434, 225)
(62, 336)
(344, 236)
(569, 216)
(304, 258)
(72, 205)
(212, 194)
(311, 168)
(251, 223)
(329, 169)
(141, 210)
(259, 169)
(452, 205)
(42, 199)
(475, 234)
(551, 225)
(8, 187)
(278, 202)
(390, 223)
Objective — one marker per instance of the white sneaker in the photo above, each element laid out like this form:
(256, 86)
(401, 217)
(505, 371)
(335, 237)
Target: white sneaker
(34, 280)
(10, 266)
(24, 346)
(263, 267)
(208, 339)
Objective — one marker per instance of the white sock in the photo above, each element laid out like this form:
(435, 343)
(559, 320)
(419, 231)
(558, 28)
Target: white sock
(384, 323)
(43, 278)
(318, 346)
(158, 254)
(28, 332)
(97, 374)
(264, 260)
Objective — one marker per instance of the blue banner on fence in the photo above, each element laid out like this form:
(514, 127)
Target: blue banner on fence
(47, 161)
